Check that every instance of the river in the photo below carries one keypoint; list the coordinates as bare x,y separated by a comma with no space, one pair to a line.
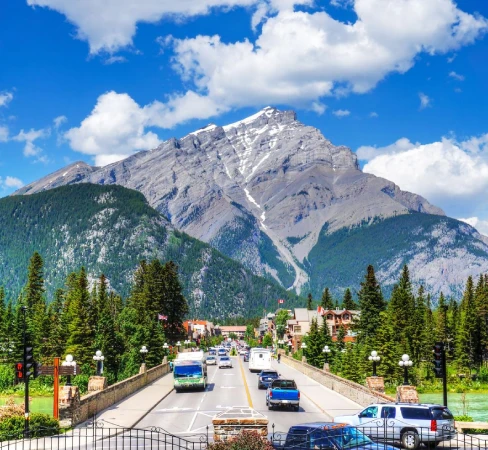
476,404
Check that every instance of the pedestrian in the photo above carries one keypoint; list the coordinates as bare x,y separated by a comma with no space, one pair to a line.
279,357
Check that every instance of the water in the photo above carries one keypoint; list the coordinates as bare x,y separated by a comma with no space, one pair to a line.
37,404
476,404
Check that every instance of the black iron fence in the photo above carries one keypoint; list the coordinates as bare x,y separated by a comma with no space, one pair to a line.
384,436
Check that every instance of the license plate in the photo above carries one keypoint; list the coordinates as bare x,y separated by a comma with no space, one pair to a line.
286,401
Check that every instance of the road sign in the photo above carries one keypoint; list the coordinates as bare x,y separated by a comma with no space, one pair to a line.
63,370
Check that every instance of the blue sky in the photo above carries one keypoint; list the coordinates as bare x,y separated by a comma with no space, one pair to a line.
404,83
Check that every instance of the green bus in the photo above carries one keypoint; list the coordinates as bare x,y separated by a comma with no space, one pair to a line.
189,374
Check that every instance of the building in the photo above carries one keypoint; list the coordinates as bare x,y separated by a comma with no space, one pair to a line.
340,317
238,330
198,329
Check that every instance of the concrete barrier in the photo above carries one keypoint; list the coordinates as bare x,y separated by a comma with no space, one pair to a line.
94,402
353,391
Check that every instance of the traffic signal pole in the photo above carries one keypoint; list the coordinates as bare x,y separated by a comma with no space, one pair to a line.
444,375
26,378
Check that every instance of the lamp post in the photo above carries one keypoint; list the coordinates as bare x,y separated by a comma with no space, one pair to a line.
187,342
405,363
326,351
99,358
69,361
304,348
178,345
290,345
165,348
143,352
374,358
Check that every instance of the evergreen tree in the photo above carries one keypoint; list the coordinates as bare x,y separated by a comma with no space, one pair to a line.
420,330
309,302
481,319
57,330
371,304
466,334
441,331
387,347
348,303
452,327
341,337
326,302
314,346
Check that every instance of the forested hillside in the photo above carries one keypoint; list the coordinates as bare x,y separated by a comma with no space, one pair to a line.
109,229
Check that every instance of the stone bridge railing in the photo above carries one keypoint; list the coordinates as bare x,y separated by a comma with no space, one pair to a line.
353,391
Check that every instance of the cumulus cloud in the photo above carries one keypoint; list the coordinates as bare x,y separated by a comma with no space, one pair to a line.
110,25
480,225
451,174
118,126
3,133
60,120
29,138
5,98
425,100
456,76
12,182
319,56
341,113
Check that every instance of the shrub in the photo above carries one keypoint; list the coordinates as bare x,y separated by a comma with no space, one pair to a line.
12,427
247,440
233,352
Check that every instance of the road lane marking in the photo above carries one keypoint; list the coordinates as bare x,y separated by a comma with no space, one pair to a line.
248,394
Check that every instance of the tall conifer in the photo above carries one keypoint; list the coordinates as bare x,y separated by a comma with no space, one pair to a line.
326,302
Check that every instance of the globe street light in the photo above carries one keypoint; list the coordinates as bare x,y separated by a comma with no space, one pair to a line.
326,351
178,345
405,363
304,348
375,358
70,362
165,348
143,352
99,358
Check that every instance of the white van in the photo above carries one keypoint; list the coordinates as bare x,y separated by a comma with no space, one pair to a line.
260,359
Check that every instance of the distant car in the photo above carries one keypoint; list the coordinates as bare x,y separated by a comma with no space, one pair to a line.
212,351
324,435
242,351
221,352
266,377
211,360
225,361
246,356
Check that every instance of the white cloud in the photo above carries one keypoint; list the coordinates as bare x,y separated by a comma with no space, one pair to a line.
319,56
109,25
3,133
13,182
118,126
5,98
425,100
480,225
450,59
60,120
456,76
373,115
451,174
114,60
341,113
29,137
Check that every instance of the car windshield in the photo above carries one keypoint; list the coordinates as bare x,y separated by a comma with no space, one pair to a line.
211,358
225,358
269,374
187,371
348,437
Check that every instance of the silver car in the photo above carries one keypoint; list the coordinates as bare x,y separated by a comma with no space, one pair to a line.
408,423
225,361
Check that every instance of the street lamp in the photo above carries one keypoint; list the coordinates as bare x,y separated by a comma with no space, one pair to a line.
186,343
304,348
165,348
143,351
281,342
99,358
69,362
178,345
405,363
326,351
375,358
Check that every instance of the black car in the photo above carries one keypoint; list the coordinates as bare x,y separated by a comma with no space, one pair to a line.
266,377
326,436
246,356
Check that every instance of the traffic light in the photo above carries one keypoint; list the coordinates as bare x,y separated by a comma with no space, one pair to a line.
19,373
438,351
36,369
28,361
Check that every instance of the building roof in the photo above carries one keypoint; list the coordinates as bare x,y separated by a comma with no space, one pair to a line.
233,328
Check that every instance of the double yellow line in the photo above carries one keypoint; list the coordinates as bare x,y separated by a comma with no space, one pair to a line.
246,387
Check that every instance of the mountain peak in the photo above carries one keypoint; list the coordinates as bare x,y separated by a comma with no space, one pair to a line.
266,114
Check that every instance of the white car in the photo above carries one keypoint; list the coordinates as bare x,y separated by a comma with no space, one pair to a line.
242,351
225,361
211,360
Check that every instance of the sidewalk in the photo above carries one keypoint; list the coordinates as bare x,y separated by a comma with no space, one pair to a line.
130,411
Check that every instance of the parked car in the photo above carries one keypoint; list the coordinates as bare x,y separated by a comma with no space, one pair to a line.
283,393
324,435
246,356
225,361
266,377
408,423
211,360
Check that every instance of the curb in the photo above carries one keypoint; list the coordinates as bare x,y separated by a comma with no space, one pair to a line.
152,407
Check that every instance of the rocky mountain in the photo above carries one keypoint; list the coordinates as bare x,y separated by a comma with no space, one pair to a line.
109,229
268,191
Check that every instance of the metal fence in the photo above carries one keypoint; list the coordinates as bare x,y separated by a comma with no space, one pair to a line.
384,436
100,437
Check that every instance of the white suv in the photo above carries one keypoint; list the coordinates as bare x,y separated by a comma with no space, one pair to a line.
408,423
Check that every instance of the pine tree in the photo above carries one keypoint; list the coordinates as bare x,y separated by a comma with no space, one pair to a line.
309,302
452,327
341,337
441,320
466,334
348,303
387,347
326,302
481,330
420,330
58,330
314,345
371,304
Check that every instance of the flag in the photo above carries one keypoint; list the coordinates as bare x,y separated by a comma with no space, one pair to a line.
161,317
320,310
280,301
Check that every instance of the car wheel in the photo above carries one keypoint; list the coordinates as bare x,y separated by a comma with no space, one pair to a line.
296,408
270,407
410,440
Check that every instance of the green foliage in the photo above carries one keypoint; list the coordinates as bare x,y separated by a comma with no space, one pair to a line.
282,316
267,340
347,302
309,302
327,302
40,425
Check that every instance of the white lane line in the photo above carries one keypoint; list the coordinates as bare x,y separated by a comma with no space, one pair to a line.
199,406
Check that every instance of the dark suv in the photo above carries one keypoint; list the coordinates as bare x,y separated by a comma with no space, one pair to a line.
266,377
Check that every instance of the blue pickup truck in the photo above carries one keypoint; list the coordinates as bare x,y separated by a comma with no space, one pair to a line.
283,393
